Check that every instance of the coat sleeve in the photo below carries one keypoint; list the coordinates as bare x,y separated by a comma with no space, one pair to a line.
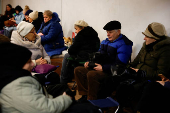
53,32
27,97
162,66
75,48
45,56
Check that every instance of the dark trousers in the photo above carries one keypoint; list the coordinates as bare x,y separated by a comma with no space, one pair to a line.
155,99
88,81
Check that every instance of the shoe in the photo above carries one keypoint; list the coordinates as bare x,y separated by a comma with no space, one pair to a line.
83,99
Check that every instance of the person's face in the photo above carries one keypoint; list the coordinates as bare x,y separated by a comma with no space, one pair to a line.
77,29
8,8
26,18
47,18
149,40
31,35
29,65
30,19
113,35
17,12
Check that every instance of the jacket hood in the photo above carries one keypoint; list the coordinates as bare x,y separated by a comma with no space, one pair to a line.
16,38
88,32
55,17
9,74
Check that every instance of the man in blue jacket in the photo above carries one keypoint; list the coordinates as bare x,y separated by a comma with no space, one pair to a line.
115,50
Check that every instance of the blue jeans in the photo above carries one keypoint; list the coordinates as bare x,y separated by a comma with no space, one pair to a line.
67,71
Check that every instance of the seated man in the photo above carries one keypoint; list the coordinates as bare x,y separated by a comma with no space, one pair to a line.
153,59
116,49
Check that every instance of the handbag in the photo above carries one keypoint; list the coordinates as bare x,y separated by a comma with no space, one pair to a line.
9,23
44,68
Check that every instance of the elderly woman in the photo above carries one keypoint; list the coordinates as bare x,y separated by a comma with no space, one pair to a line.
26,36
35,20
86,42
51,34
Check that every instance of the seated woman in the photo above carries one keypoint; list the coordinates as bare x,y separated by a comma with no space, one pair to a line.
51,34
26,36
86,42
35,20
17,19
8,14
26,15
20,92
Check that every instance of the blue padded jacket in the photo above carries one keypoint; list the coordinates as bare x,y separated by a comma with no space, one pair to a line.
119,52
52,40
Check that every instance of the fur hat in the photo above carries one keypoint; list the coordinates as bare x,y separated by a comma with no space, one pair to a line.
28,12
112,25
34,15
18,8
19,55
81,23
155,30
24,28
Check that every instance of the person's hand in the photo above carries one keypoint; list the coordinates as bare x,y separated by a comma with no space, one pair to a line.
98,67
38,61
43,61
163,77
40,34
13,21
161,82
134,69
86,64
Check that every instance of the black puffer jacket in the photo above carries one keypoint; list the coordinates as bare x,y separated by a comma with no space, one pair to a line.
86,41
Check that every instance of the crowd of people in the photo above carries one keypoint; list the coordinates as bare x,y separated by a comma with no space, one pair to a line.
31,38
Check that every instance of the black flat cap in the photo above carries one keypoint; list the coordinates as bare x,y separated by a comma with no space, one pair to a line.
112,25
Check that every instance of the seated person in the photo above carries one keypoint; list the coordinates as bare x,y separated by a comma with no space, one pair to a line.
26,15
153,59
17,19
26,36
51,34
116,49
20,92
155,97
35,20
8,14
86,42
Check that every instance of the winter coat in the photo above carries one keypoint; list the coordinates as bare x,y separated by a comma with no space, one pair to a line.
36,48
19,17
21,93
86,41
116,52
156,61
52,38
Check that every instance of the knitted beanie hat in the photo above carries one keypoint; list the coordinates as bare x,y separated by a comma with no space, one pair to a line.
155,30
34,15
24,28
28,12
13,55
112,25
81,23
